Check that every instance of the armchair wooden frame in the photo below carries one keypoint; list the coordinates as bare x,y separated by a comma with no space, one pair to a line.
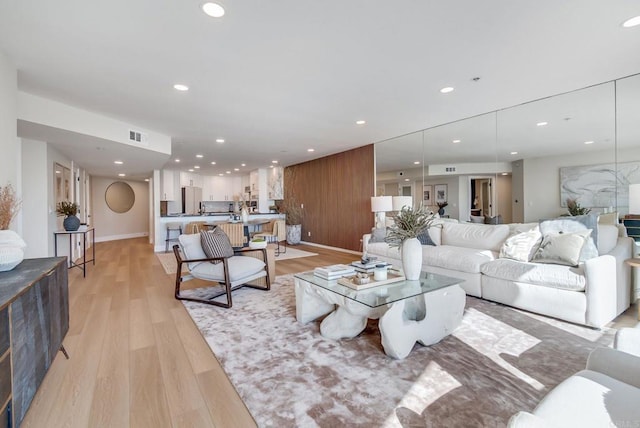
227,284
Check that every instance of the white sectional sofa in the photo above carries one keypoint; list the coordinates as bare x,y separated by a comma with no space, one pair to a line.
591,293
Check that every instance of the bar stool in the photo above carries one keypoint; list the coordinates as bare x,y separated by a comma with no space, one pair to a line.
172,227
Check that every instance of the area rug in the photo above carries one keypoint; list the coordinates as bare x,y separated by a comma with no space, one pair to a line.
499,361
168,260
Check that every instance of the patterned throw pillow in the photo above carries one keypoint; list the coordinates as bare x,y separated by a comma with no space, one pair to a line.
378,235
521,246
562,248
425,238
215,243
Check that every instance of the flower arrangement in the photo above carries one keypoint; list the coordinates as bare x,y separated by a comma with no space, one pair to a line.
9,206
66,208
407,224
291,208
441,205
574,208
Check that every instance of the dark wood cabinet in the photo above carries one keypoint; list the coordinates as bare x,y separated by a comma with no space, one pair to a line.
34,319
633,228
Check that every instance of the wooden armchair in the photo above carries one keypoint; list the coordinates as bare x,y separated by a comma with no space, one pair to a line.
231,273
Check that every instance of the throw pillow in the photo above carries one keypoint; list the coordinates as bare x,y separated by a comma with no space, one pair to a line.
571,224
521,246
562,248
378,234
609,218
215,243
425,238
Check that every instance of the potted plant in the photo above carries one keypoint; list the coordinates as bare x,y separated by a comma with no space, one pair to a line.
69,210
293,212
575,209
407,225
11,244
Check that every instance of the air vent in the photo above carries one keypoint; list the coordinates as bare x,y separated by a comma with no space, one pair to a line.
450,169
138,137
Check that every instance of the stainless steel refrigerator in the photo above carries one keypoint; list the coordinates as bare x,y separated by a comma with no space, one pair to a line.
191,197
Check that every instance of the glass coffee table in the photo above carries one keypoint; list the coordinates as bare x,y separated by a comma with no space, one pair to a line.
423,311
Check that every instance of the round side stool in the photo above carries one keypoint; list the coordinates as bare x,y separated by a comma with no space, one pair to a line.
172,227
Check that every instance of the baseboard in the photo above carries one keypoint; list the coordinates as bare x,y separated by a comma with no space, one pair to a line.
119,237
313,244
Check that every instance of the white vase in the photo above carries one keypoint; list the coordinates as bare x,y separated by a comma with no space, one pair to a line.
11,250
412,258
244,215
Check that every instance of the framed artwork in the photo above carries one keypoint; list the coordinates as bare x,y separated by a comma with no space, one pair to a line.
440,192
427,195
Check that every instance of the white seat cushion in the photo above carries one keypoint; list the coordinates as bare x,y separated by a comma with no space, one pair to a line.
591,399
456,258
240,267
549,275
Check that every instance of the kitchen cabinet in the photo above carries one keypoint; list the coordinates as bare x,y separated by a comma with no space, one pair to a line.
218,188
34,319
190,179
169,191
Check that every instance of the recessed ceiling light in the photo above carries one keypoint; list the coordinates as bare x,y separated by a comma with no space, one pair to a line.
505,173
274,161
236,169
197,167
213,9
446,90
541,124
360,122
213,163
121,175
199,156
228,172
146,179
270,166
220,140
631,22
514,153
588,142
191,170
221,174
180,87
311,150
406,179
455,141
177,160
118,162
416,163
244,164
57,172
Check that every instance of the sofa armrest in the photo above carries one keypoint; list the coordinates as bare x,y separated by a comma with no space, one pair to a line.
616,364
365,242
527,420
601,290
628,340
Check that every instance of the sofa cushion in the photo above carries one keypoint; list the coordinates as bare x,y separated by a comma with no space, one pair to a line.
521,246
383,249
562,248
607,238
549,275
456,258
192,248
571,224
378,234
515,228
239,267
216,243
470,235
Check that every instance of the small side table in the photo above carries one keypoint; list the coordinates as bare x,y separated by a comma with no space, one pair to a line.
635,262
83,232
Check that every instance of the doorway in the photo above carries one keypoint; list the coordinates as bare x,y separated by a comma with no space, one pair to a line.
481,196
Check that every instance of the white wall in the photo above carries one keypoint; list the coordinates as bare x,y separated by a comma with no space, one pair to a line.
111,225
542,179
35,194
9,143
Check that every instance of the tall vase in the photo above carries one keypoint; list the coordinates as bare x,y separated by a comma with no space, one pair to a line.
294,234
412,258
11,250
244,215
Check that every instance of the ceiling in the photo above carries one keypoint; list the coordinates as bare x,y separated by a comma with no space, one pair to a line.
275,79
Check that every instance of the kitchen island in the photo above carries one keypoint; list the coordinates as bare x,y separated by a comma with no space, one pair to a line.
184,219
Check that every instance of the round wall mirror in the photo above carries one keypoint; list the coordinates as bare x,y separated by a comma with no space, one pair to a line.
119,197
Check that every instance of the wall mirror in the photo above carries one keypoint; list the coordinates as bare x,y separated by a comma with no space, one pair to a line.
119,197
62,180
522,162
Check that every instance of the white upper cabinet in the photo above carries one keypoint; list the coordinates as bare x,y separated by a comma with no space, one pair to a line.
168,192
191,179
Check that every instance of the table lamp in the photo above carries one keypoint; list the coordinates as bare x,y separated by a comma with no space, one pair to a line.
400,202
380,205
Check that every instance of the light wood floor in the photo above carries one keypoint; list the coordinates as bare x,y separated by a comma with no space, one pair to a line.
137,359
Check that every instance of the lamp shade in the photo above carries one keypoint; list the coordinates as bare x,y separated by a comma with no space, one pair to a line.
402,201
381,203
634,198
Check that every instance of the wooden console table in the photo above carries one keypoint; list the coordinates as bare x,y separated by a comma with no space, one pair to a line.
34,319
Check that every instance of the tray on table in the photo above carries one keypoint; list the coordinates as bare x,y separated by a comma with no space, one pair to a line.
349,281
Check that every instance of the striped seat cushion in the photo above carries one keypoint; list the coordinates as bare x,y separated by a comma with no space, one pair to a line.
215,243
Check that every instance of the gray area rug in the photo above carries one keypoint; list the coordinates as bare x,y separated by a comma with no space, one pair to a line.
499,361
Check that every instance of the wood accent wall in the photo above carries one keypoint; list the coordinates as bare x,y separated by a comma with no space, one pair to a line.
336,194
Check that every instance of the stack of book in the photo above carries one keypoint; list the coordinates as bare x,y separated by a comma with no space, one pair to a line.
334,271
368,267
